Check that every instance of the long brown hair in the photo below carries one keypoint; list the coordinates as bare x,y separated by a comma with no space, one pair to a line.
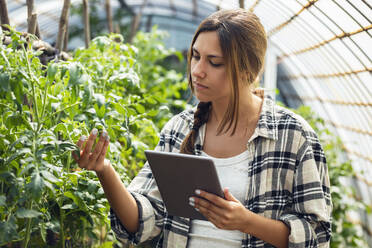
243,43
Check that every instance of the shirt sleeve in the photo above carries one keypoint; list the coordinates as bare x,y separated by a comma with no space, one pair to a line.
151,209
309,218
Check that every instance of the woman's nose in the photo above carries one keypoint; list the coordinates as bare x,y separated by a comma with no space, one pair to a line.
198,70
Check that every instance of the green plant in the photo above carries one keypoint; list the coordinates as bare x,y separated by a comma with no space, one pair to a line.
43,112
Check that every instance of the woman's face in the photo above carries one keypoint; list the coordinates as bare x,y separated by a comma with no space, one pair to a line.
208,71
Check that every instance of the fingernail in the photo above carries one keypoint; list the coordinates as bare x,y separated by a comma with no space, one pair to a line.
83,138
197,209
197,192
94,131
104,134
192,204
191,199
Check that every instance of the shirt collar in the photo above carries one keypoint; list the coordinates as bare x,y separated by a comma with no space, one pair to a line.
267,125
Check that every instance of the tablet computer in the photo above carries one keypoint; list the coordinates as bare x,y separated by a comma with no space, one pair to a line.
178,175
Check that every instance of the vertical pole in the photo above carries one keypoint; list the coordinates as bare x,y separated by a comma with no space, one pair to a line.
136,21
4,18
241,4
270,74
86,22
65,37
62,24
109,16
30,12
32,23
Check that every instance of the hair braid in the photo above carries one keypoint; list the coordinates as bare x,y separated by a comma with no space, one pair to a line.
201,116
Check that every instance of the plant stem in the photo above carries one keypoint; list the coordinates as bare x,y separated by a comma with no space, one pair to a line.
68,162
28,228
33,90
44,103
62,231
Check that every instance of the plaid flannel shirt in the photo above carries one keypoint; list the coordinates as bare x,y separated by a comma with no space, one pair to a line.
288,181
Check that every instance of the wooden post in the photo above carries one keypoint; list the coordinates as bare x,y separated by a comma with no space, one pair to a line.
32,22
30,12
86,22
109,16
62,24
241,4
136,21
4,18
65,37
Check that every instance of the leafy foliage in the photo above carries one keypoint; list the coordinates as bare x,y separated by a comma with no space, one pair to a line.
43,112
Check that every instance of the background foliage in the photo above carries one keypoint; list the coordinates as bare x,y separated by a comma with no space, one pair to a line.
126,89
44,110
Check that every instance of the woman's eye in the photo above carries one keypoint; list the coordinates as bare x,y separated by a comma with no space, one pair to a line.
215,64
197,57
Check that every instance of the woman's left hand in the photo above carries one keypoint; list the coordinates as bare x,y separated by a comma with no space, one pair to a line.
228,213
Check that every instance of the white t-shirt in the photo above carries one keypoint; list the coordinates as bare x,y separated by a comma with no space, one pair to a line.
233,174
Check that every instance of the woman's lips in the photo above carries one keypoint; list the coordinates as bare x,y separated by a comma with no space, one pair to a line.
199,86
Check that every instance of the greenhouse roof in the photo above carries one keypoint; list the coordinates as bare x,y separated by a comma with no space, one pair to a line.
319,55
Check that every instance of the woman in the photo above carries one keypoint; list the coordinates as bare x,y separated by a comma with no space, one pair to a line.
268,157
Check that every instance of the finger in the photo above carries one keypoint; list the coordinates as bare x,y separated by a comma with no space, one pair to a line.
98,148
102,155
207,206
213,214
229,196
218,201
79,144
88,146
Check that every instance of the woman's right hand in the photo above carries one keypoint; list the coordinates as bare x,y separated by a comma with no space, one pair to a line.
93,159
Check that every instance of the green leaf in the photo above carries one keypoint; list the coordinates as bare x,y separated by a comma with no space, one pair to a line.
27,213
49,176
140,109
14,120
4,82
8,230
77,200
108,244
36,186
100,99
69,206
18,153
101,111
52,71
2,200
152,112
68,146
43,231
75,74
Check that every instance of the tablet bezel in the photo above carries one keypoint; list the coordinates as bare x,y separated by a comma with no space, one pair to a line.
178,175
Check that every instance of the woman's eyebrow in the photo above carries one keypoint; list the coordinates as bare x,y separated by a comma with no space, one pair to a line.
209,56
